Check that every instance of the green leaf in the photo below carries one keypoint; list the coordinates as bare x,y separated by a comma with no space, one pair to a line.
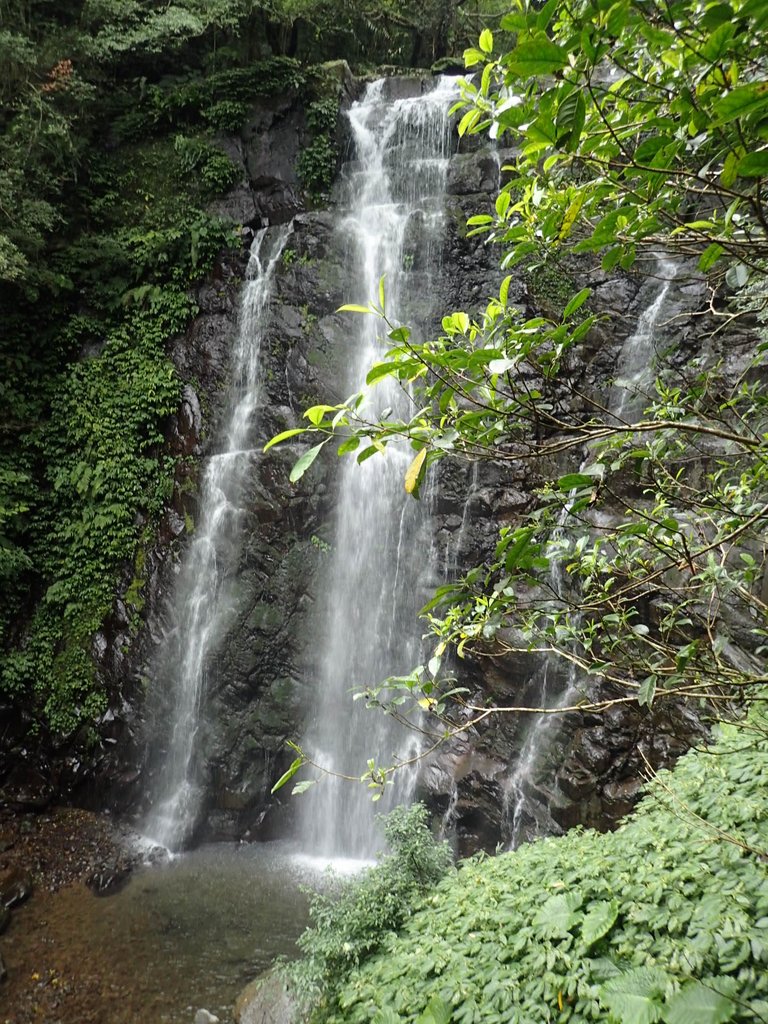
537,55
647,692
558,915
400,334
486,40
468,121
710,256
386,1015
366,453
576,302
436,1012
473,56
350,445
287,776
381,370
599,921
283,437
571,481
753,165
350,307
523,538
546,14
700,1003
570,217
316,413
305,462
741,101
634,997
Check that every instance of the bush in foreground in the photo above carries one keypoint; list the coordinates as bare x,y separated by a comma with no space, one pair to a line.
664,920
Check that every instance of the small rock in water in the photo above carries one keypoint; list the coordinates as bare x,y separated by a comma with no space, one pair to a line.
204,1017
109,877
15,886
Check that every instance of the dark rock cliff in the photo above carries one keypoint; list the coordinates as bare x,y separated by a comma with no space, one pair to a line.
261,677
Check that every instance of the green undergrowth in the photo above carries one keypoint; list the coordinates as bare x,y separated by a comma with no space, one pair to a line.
90,388
351,916
665,919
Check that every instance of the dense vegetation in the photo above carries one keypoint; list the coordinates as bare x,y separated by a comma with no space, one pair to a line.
351,916
664,920
110,113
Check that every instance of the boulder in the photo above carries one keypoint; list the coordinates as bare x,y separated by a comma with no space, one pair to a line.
265,1001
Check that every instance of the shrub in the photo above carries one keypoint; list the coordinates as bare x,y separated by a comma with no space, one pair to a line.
664,920
353,916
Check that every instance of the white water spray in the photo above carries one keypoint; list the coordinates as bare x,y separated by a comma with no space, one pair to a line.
382,552
202,607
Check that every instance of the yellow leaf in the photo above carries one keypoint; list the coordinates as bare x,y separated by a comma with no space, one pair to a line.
570,216
559,1000
414,471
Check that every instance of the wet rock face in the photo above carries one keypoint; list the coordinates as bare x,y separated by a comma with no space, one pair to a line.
262,674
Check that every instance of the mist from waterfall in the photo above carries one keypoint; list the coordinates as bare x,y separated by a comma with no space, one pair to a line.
382,556
201,605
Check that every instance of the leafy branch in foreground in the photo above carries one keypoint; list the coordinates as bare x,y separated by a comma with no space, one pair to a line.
639,133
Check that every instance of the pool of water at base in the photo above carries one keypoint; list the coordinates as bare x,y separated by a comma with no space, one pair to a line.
191,932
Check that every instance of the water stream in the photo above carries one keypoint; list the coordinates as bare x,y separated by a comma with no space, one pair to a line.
201,605
631,390
382,553
526,816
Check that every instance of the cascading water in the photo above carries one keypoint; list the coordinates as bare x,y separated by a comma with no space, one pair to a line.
382,553
201,603
526,818
630,392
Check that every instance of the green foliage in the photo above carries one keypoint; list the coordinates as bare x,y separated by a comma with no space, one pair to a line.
652,132
352,917
100,451
316,166
215,170
663,920
100,247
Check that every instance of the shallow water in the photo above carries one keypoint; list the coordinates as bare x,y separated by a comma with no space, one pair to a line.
181,935
201,926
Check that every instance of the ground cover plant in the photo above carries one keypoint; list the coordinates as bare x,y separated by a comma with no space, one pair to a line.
665,919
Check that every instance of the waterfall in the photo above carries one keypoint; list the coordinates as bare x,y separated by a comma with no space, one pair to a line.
630,391
202,604
382,552
629,394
